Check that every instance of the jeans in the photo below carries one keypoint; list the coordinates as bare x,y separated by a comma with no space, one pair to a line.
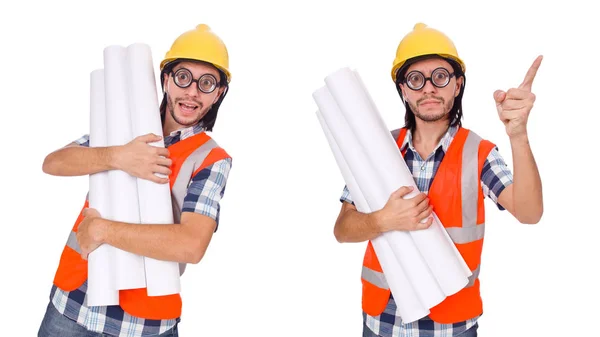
55,324
472,332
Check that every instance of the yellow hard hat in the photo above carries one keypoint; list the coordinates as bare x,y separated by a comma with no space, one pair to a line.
200,44
421,41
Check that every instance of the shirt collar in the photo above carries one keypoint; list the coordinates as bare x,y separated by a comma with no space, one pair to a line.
183,133
444,142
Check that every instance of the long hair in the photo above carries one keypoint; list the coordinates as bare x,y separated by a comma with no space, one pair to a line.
456,113
208,121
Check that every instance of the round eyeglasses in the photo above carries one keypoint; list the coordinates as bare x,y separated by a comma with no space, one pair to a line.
183,78
440,78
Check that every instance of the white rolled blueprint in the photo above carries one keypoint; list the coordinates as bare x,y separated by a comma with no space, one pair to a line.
130,272
414,296
422,267
410,306
101,289
162,277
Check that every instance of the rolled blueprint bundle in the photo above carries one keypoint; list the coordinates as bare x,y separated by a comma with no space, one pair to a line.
362,115
162,277
123,187
410,306
101,274
124,105
421,267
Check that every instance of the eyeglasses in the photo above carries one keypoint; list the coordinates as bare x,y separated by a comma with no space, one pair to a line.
183,78
440,78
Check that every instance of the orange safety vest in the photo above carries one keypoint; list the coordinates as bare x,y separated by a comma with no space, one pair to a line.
457,199
189,156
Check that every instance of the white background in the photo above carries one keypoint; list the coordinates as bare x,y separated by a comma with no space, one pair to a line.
274,268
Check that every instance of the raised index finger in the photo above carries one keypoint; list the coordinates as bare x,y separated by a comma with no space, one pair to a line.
528,81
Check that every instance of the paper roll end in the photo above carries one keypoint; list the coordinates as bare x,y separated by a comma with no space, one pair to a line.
319,93
113,48
97,72
140,47
340,72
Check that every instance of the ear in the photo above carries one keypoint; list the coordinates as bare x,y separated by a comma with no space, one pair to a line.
165,81
219,94
459,83
403,89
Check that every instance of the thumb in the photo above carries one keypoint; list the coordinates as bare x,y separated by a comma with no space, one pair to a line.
499,96
150,138
402,191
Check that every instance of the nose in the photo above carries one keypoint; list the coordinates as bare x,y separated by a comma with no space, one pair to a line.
429,88
192,90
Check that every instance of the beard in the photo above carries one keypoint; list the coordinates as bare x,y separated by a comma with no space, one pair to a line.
432,117
181,121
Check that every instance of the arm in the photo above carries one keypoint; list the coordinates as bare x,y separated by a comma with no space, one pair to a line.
499,185
184,242
137,158
398,214
354,226
76,159
523,199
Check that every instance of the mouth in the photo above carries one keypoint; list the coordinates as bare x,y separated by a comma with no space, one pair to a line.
188,108
430,102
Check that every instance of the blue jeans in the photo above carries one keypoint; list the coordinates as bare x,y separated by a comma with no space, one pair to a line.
472,332
55,324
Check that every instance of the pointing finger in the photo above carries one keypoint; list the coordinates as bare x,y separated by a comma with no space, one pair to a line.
528,81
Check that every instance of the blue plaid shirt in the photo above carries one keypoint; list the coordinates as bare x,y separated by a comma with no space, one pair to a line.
495,176
204,193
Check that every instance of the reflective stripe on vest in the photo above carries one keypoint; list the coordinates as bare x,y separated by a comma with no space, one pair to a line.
378,279
72,242
187,169
375,278
470,230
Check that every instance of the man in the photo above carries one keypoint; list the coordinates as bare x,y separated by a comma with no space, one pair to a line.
195,79
454,169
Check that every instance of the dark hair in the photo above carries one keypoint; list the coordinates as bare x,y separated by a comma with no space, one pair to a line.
208,121
456,113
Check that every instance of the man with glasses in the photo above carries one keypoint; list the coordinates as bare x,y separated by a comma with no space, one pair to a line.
454,170
195,78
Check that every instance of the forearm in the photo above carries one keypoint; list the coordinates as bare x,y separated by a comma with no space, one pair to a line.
527,188
169,242
79,160
354,226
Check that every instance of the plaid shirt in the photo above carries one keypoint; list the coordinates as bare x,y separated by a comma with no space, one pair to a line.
204,193
495,176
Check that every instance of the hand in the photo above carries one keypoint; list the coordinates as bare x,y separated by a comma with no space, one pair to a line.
89,235
405,214
142,160
514,106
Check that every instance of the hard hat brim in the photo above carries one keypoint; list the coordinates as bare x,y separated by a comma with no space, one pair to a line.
170,60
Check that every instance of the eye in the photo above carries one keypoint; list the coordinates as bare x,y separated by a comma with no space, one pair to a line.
207,83
440,76
183,77
415,79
